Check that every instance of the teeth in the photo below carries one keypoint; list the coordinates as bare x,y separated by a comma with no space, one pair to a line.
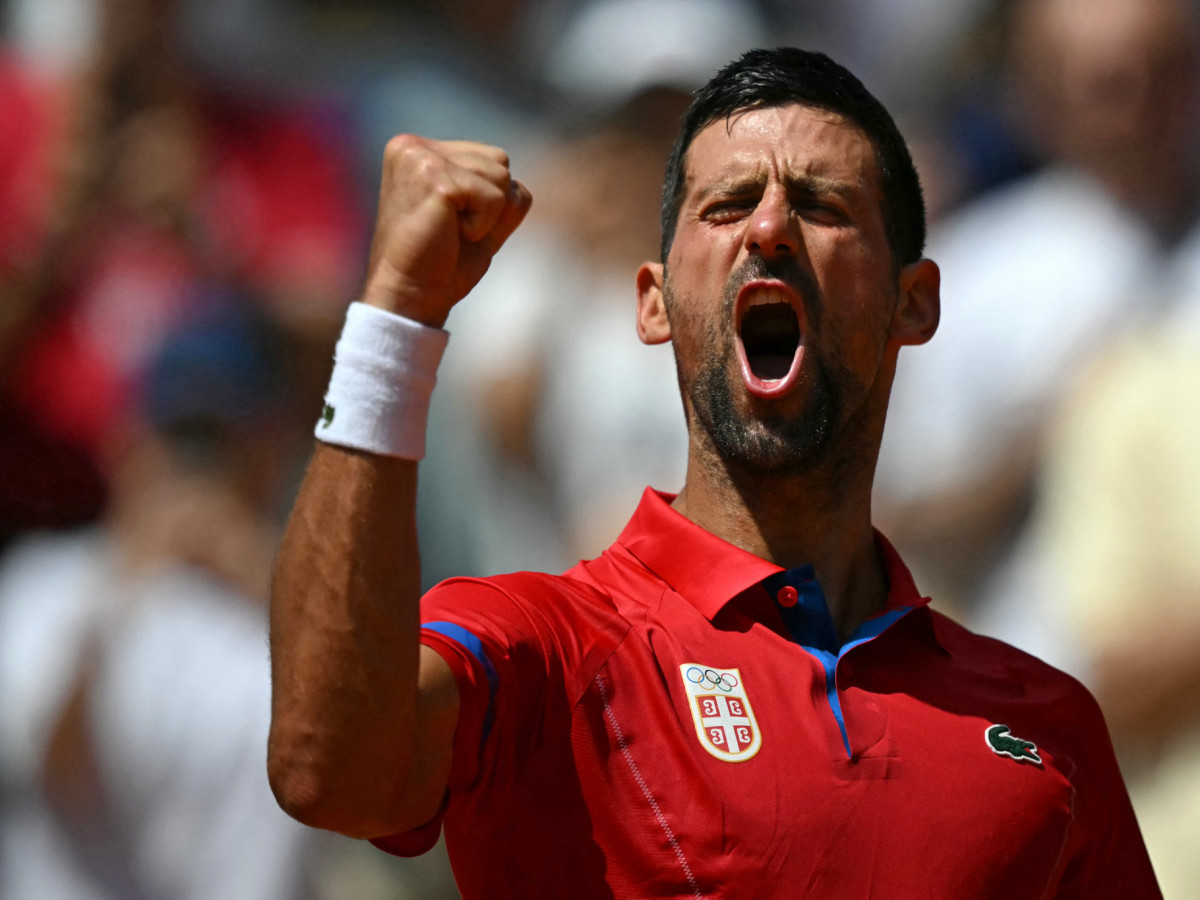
768,297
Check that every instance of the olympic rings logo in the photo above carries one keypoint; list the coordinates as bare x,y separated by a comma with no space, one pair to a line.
710,679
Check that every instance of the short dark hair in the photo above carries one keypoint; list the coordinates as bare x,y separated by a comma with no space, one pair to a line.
787,75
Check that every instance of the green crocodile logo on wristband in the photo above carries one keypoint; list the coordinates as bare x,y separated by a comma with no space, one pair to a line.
1005,743
327,416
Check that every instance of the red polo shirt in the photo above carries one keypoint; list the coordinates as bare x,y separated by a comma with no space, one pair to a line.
677,719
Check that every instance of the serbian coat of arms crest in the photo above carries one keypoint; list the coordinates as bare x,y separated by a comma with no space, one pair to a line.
721,710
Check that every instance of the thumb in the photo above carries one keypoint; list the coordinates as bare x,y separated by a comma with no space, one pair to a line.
519,201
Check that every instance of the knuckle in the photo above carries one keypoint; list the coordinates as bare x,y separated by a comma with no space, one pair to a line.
402,145
441,186
500,156
428,167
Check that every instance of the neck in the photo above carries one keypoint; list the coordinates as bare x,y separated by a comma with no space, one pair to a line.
821,517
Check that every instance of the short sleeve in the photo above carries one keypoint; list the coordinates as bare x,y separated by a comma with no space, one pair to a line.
1106,854
503,655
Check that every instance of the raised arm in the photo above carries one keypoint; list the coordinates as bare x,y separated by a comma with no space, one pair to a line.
363,717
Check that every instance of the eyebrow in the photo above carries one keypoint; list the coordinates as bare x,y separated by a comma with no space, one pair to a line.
812,185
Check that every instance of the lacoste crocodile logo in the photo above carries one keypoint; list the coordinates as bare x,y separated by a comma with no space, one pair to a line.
1005,743
327,416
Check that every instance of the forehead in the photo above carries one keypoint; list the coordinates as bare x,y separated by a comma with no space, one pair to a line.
793,140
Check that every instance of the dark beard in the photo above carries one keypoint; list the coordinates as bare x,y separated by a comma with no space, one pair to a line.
761,446
781,446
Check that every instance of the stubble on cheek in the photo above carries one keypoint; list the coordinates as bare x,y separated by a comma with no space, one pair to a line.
699,345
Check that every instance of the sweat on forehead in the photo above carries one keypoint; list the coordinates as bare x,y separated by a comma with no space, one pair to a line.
717,162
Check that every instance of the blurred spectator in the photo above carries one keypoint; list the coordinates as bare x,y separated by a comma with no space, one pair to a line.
139,185
1116,540
904,46
134,679
1037,276
455,69
49,481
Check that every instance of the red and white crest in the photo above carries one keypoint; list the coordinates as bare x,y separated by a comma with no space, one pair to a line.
721,710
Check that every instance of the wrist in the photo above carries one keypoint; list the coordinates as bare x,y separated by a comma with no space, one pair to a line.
392,293
385,367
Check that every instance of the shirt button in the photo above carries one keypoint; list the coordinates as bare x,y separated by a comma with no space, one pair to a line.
787,596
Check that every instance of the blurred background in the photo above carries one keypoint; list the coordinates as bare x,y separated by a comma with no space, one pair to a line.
186,194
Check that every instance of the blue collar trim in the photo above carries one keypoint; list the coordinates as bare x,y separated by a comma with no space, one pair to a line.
810,625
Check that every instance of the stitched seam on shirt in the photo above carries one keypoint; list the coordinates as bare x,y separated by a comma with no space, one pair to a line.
623,746
591,671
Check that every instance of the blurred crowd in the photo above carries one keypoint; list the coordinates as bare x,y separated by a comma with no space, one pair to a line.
186,193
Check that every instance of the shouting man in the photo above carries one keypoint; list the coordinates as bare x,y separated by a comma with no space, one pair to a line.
746,695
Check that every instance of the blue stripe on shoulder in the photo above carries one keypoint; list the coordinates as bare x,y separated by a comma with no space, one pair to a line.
474,646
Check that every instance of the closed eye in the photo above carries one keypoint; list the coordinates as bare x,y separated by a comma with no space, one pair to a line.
730,210
819,211
808,208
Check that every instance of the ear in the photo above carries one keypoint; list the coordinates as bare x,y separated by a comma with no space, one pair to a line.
652,324
919,308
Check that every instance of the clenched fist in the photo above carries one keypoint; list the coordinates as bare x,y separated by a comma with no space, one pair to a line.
445,207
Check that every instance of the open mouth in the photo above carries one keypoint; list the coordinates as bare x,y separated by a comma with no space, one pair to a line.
769,338
770,334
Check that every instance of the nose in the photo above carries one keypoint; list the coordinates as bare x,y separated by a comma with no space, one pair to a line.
772,229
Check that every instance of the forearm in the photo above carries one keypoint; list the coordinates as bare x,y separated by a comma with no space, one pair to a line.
344,643
363,719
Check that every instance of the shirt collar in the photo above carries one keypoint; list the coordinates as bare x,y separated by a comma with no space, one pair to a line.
708,572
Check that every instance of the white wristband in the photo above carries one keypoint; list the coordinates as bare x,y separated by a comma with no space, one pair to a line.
384,369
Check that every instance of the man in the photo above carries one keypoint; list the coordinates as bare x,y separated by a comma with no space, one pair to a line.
107,633
744,696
